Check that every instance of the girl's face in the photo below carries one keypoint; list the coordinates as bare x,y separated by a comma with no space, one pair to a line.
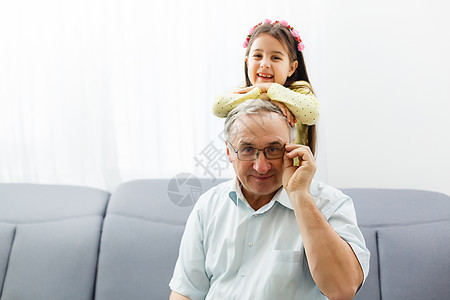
268,61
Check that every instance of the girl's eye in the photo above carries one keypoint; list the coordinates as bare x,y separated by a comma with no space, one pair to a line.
276,58
257,55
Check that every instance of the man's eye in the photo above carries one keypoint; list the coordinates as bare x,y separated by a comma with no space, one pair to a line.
274,149
247,150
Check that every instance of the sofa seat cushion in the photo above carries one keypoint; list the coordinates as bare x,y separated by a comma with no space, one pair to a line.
137,258
54,260
412,255
49,240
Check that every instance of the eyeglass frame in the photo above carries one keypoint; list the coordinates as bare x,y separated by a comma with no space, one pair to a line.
257,153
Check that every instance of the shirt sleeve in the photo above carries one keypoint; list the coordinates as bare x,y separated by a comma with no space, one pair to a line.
189,276
225,103
299,100
343,220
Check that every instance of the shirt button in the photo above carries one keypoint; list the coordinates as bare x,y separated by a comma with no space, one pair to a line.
243,274
250,244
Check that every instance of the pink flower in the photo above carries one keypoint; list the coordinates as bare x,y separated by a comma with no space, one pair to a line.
268,21
245,44
295,34
250,32
300,47
284,23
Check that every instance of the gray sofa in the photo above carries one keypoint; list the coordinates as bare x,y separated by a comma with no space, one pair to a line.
67,242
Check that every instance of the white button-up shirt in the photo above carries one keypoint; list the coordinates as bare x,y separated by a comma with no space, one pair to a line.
230,251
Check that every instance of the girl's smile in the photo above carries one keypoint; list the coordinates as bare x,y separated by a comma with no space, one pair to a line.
265,76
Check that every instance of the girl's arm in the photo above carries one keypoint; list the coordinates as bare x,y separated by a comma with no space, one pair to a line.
300,101
225,103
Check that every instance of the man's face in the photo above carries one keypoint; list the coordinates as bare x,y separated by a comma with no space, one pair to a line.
260,177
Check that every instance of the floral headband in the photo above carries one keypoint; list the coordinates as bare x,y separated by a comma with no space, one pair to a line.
294,33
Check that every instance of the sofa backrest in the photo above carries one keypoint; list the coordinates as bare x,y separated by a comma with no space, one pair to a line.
141,236
408,235
49,240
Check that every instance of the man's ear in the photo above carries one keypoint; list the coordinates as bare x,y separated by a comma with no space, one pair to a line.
228,152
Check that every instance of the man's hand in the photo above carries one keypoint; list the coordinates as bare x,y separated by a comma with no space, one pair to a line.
298,178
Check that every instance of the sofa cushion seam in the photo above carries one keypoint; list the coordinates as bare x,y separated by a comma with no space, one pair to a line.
8,261
50,220
381,226
181,223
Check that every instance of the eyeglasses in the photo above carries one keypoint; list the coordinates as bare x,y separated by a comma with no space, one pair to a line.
251,153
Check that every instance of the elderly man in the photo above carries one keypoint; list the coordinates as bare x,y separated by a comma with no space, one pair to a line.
272,232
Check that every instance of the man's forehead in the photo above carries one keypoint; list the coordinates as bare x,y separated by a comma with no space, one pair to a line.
258,121
260,129
260,118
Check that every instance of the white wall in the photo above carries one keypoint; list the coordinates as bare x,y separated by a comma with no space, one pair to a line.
89,90
384,87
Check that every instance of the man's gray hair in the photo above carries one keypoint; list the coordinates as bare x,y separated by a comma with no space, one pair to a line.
254,106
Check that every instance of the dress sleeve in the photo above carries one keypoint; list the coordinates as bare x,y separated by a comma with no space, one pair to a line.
299,100
189,276
225,103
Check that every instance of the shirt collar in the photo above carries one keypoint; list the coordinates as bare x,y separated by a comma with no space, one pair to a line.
236,194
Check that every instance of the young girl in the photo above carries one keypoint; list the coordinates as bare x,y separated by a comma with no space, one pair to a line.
275,71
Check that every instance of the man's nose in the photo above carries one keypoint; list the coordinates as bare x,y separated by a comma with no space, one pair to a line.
262,164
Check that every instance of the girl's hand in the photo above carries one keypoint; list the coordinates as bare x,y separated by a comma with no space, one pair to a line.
245,90
286,112
263,87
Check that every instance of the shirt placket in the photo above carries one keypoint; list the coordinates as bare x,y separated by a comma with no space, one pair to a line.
249,248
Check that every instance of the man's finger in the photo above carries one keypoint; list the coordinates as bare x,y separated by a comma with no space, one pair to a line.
302,152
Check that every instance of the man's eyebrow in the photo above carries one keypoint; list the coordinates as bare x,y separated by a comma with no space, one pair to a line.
274,143
244,143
